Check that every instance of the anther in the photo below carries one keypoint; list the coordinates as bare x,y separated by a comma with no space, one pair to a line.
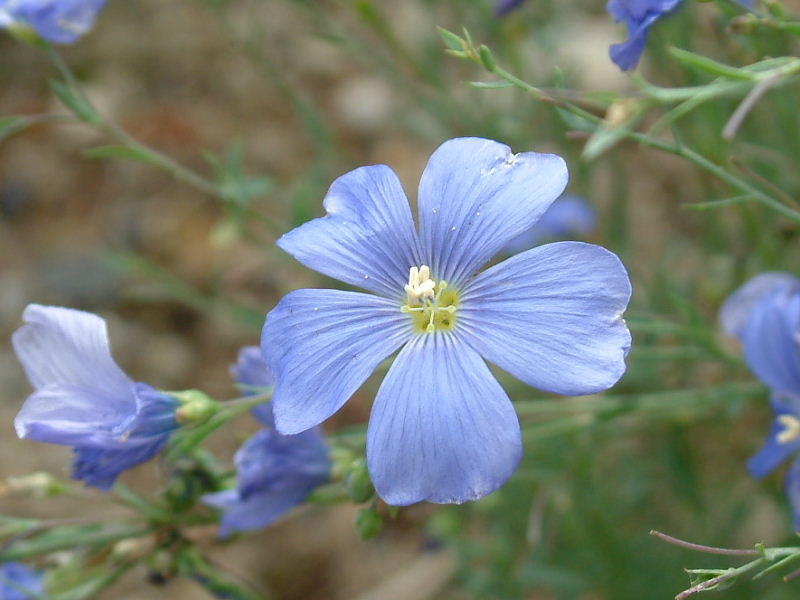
791,429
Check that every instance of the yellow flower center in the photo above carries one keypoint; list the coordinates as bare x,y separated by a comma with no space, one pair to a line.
432,305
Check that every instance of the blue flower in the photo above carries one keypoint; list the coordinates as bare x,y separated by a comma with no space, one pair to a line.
57,21
567,216
639,16
765,315
20,582
442,429
251,373
83,399
275,472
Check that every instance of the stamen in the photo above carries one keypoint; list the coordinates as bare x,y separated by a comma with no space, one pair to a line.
420,286
432,307
791,429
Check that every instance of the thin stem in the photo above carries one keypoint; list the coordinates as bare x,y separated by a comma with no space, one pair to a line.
701,548
166,163
715,581
676,149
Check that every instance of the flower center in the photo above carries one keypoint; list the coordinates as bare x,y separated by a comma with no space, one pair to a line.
432,305
791,429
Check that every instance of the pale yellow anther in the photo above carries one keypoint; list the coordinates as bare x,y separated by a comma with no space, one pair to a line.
791,429
420,285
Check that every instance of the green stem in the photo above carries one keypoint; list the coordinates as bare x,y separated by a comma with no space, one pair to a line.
24,549
676,149
164,162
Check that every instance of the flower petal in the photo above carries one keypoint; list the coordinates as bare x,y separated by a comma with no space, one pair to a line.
770,341
737,309
367,238
773,453
552,316
60,21
639,16
70,415
255,512
271,461
252,374
99,466
475,196
64,346
442,429
322,345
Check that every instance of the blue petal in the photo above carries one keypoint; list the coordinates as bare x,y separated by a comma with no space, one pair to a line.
442,429
251,373
568,216
99,466
59,21
552,316
322,345
269,461
793,491
367,238
639,16
71,415
773,453
137,440
250,369
736,310
70,347
475,196
770,341
255,512
20,582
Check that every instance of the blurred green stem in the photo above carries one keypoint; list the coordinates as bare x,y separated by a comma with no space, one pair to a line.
112,130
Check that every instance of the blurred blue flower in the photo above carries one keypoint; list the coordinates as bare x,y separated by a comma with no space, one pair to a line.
252,374
566,217
503,7
442,429
20,582
83,399
639,16
765,315
57,21
275,472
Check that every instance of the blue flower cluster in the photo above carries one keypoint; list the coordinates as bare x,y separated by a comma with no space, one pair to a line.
275,472
442,429
57,21
765,315
83,399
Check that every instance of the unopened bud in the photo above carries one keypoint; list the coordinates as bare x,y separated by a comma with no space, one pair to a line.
195,407
358,483
368,523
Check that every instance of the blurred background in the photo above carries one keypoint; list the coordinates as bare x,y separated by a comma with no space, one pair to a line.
280,97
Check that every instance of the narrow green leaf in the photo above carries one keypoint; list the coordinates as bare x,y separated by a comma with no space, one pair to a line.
75,102
491,85
12,125
708,65
126,152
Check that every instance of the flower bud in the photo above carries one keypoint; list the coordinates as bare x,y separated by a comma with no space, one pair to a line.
196,407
